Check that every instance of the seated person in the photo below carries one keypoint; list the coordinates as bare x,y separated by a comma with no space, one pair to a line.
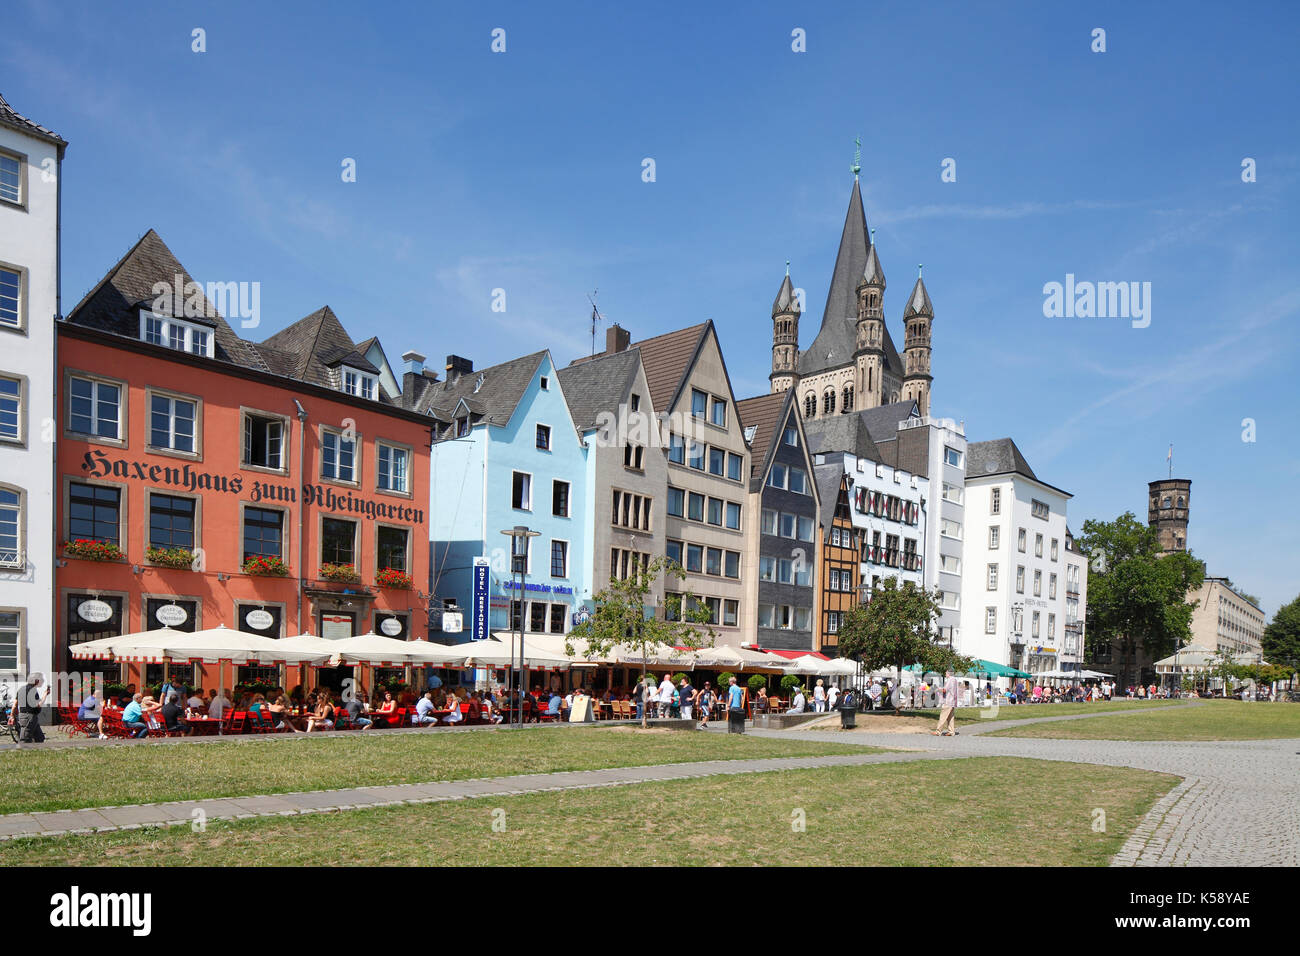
172,714
218,704
555,706
281,715
129,694
196,701
322,717
454,714
424,710
92,710
760,702
259,711
799,704
133,717
356,711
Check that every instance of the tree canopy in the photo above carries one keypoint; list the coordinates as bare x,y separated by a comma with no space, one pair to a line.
896,629
1137,597
621,617
1281,640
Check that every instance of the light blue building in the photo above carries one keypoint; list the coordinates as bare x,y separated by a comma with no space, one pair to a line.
505,453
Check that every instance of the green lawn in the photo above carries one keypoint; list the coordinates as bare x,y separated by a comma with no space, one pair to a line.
128,773
1210,720
975,812
1025,711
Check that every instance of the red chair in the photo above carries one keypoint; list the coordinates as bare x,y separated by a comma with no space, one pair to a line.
234,722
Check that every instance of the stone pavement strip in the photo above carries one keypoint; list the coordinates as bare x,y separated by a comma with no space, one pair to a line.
1238,803
183,812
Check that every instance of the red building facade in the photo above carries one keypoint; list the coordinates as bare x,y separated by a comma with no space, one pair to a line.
231,484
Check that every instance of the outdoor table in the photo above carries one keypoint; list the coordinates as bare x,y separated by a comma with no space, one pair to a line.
204,726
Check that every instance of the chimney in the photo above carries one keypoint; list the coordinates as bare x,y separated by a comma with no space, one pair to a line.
457,366
617,339
414,361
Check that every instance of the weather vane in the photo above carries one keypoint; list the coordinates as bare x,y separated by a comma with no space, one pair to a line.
857,156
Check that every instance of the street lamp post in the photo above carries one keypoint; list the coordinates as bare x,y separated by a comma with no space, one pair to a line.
518,565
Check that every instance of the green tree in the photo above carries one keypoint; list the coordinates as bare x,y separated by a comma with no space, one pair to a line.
1281,640
1137,597
621,618
897,629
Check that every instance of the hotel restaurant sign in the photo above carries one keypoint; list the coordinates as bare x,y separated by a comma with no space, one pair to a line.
184,478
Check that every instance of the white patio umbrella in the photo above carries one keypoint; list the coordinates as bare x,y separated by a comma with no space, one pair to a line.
807,664
495,653
381,650
142,646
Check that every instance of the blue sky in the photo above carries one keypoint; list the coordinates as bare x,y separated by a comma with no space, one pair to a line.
522,171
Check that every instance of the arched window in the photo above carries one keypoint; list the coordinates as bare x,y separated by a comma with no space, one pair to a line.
848,399
1180,501
810,406
1166,504
828,402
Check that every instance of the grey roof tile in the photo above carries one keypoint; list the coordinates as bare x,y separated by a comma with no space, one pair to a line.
14,120
492,393
599,384
786,300
842,433
918,303
997,457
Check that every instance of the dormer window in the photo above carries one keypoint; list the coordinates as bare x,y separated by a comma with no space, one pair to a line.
359,383
176,334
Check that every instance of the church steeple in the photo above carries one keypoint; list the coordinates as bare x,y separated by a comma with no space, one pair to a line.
917,319
785,335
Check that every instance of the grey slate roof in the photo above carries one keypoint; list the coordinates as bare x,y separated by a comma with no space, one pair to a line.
828,478
843,433
786,300
836,340
113,305
14,120
764,414
494,401
882,421
918,303
307,351
997,457
597,385
872,273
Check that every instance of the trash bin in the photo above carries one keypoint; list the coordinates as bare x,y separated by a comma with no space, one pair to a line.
735,721
848,712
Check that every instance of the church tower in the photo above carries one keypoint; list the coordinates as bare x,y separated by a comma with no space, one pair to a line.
785,336
917,318
869,354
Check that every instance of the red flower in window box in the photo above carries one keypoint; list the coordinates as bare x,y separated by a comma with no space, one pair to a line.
267,567
340,573
392,578
92,550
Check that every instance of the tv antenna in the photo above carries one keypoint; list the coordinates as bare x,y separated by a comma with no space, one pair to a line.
595,317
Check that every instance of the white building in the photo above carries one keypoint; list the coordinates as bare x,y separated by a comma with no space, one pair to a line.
887,502
1013,603
945,519
31,159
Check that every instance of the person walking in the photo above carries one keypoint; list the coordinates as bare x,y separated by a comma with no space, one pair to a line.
819,698
27,710
736,707
666,696
704,700
948,707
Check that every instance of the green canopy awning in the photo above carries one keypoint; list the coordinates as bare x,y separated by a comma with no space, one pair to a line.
982,668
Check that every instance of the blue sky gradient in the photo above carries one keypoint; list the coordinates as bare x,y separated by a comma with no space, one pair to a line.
522,171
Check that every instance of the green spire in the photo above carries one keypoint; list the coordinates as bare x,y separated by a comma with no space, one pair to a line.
857,157
787,266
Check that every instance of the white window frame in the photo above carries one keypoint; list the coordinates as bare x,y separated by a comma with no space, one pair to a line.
172,398
405,450
244,461
20,307
527,498
354,381
20,414
170,326
550,553
994,535
21,161
18,559
123,393
990,620
992,576
337,435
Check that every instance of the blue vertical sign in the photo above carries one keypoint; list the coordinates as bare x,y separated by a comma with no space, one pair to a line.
482,574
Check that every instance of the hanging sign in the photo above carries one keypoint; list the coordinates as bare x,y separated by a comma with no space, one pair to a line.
259,620
453,622
95,611
391,626
171,615
480,607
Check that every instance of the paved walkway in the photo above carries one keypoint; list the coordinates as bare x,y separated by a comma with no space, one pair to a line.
1238,803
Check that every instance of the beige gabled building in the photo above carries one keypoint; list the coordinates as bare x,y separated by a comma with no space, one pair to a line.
708,472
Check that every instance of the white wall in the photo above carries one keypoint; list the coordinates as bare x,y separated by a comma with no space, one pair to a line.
29,243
